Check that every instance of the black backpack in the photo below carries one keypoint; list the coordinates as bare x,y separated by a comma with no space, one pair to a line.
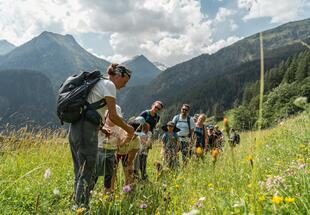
72,98
237,138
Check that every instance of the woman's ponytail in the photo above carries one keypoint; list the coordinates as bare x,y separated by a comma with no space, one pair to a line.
111,69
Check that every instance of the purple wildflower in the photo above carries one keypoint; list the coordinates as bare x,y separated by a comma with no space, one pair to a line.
143,206
126,189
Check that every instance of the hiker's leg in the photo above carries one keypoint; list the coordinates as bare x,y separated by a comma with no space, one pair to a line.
74,141
116,161
131,156
87,156
174,162
143,159
190,150
137,165
109,167
125,168
185,151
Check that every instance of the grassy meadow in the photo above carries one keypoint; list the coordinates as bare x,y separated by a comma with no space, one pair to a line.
268,173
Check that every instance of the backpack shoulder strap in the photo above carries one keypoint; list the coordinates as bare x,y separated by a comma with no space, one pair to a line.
97,105
177,118
188,122
102,102
148,114
203,132
189,125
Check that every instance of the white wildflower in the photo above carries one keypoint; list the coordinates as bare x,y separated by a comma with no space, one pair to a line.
47,173
202,199
56,191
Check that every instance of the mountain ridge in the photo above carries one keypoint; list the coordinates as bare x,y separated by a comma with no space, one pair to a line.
6,47
57,56
143,70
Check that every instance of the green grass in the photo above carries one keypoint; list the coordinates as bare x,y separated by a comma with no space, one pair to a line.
280,168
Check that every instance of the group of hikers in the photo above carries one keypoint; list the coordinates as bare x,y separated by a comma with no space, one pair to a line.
101,138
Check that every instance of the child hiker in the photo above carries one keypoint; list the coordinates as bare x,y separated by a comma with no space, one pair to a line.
145,145
107,146
171,143
127,152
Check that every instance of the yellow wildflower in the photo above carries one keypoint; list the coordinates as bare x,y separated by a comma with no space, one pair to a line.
199,150
249,157
177,186
157,212
210,185
289,200
80,211
215,153
277,199
225,121
105,197
261,198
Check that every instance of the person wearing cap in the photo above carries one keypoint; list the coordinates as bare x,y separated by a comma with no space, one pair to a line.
145,145
211,138
138,124
126,152
186,125
234,137
83,134
151,117
170,142
107,146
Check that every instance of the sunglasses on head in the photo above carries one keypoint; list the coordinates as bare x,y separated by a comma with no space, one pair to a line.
158,108
123,71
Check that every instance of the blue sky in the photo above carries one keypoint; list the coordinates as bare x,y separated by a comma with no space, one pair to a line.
168,31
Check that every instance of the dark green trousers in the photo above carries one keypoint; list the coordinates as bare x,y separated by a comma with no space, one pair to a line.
83,139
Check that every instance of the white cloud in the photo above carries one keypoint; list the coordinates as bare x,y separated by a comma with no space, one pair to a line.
214,47
223,13
278,10
117,58
233,25
168,31
21,20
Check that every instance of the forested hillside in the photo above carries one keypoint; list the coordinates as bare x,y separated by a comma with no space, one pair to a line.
26,99
284,83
